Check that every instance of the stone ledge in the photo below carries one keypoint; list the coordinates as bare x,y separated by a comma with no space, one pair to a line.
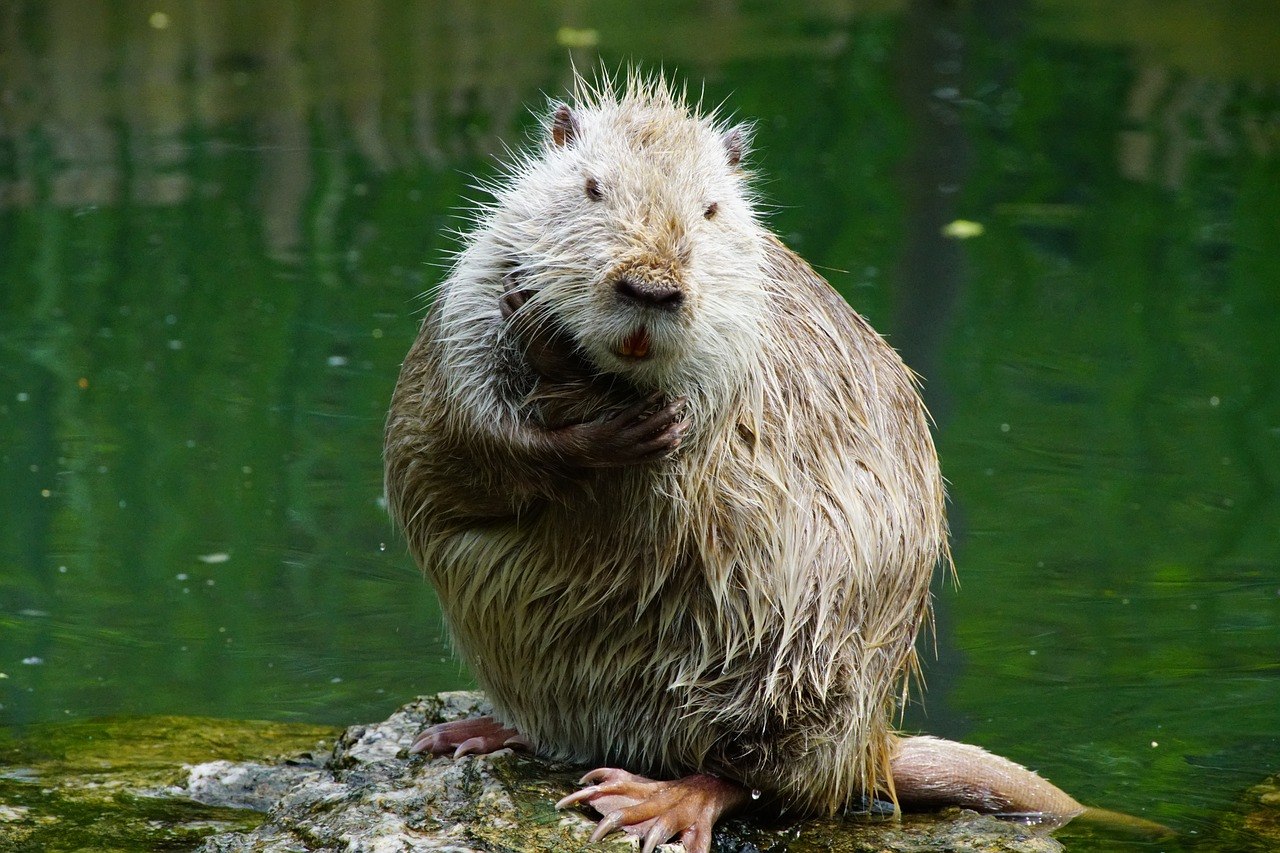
370,798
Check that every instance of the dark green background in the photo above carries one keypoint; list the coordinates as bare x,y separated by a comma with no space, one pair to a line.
216,224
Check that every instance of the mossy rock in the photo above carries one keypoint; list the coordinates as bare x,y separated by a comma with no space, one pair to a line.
119,784
167,783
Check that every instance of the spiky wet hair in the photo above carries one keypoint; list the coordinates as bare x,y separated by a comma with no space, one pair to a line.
635,92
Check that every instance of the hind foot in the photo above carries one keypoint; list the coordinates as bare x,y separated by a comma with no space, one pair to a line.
474,735
657,811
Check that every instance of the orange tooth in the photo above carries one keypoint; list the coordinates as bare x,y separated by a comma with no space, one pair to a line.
636,344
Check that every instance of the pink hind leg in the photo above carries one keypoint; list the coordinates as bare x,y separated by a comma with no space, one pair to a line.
657,811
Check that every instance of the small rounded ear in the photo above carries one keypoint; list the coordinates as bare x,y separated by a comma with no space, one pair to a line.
564,126
737,141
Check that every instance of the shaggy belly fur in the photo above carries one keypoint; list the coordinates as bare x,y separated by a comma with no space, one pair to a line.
653,646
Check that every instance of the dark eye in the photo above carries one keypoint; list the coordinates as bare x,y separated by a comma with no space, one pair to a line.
711,210
593,190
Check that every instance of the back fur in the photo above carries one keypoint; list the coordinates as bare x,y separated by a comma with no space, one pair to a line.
747,607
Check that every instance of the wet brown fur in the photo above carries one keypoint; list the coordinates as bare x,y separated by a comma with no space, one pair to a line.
746,607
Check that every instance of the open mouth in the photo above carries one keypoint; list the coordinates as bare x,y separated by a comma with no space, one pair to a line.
635,345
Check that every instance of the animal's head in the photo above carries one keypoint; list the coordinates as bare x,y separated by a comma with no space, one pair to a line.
635,226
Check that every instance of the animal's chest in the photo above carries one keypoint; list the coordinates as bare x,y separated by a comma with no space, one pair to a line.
577,589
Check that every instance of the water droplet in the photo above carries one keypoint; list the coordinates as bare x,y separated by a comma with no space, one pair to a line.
755,795
382,546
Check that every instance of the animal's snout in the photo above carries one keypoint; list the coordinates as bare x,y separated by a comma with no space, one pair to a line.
653,294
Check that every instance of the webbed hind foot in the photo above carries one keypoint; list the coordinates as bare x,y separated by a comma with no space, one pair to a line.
657,811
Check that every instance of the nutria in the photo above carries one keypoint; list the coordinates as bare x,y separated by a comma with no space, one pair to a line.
679,501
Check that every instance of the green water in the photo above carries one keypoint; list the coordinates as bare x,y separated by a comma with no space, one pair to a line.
217,221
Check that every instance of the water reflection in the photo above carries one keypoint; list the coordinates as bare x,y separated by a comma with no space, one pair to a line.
216,221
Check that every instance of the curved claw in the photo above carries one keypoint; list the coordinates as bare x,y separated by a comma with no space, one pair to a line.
424,742
519,741
659,832
601,774
471,745
577,797
607,824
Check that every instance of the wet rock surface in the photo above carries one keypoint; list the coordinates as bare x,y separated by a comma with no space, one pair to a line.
371,797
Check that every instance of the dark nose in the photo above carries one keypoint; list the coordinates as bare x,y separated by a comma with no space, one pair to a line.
669,297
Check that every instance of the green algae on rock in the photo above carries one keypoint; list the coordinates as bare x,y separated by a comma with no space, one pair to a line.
1259,825
120,784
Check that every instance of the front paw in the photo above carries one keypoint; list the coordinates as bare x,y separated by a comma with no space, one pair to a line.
645,432
550,351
